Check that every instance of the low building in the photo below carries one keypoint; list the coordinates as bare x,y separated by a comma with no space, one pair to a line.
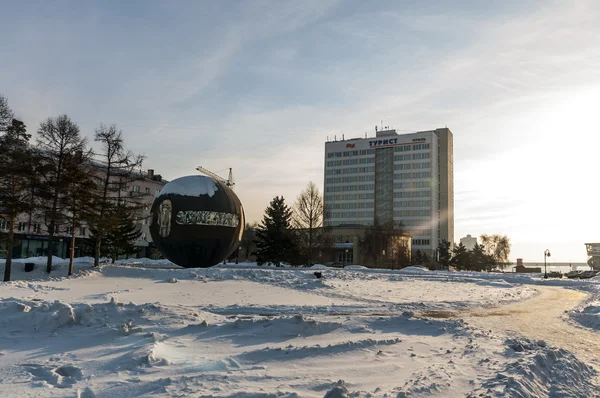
525,270
368,246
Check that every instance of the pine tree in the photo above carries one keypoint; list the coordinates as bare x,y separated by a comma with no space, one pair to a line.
418,257
479,260
444,254
275,241
460,257
121,239
16,176
78,196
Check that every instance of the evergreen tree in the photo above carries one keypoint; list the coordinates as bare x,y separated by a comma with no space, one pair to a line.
418,257
16,176
120,240
444,254
78,196
274,236
460,257
479,259
58,139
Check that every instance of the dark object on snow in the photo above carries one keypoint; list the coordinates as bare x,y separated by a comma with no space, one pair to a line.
29,267
197,221
319,275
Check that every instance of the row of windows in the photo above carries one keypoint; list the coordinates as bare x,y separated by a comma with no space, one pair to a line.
412,184
362,152
412,194
351,214
37,228
421,155
419,232
332,223
350,196
350,188
420,242
339,180
409,166
350,205
409,147
399,148
412,203
351,170
414,156
412,213
350,162
420,224
408,176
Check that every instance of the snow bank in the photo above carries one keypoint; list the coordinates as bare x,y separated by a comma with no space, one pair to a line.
536,371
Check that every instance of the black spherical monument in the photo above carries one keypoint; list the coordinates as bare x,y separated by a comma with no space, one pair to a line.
197,221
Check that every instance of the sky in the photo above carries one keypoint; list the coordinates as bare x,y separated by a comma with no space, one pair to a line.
259,85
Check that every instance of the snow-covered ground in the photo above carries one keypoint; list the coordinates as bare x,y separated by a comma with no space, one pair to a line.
148,328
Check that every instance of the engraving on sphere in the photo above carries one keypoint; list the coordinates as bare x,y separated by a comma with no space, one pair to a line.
197,221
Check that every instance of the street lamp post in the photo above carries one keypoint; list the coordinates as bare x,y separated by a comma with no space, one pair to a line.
546,254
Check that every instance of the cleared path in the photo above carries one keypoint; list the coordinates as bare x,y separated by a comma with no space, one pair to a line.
539,318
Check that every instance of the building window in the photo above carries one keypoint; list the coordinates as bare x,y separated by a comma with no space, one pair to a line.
147,190
37,228
136,188
4,225
420,242
82,231
22,227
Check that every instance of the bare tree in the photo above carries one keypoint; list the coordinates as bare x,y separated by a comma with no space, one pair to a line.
309,217
385,244
57,139
497,247
16,175
119,168
6,114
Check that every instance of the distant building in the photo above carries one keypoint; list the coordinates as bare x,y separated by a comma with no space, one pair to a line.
469,242
32,234
399,179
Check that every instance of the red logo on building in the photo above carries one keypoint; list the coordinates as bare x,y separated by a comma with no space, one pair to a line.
350,145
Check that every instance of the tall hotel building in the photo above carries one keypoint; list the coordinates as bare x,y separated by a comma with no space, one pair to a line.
400,178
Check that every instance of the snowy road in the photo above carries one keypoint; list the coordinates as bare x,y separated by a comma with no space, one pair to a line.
539,318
